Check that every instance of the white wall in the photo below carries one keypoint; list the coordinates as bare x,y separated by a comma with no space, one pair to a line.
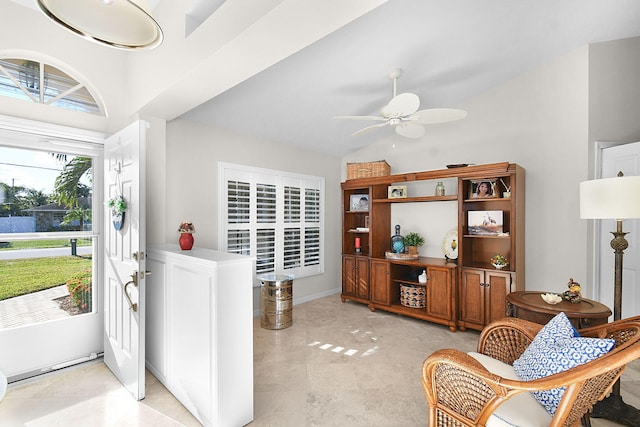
538,120
27,33
193,151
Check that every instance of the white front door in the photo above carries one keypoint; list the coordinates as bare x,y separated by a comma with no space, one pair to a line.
625,158
124,285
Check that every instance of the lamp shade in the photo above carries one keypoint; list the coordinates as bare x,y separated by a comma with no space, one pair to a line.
610,198
124,24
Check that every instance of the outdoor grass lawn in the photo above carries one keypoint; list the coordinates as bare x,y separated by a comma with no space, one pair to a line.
23,276
39,244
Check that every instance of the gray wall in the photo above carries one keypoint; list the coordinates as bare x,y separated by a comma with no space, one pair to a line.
192,153
547,121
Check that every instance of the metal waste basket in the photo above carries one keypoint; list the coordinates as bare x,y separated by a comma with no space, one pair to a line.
276,303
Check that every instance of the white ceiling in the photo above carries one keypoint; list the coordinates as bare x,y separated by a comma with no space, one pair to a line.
450,51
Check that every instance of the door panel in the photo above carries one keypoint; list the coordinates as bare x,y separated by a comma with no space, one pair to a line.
380,282
439,296
472,296
362,267
498,286
349,275
124,259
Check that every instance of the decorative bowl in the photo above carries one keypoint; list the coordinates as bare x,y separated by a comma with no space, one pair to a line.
551,298
499,266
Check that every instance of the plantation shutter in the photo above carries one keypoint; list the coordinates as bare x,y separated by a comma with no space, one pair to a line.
274,216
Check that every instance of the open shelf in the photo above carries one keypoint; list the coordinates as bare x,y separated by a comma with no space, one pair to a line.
418,199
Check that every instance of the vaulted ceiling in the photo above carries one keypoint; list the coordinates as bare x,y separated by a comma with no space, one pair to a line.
450,51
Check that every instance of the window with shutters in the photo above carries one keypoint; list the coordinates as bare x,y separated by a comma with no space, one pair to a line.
275,216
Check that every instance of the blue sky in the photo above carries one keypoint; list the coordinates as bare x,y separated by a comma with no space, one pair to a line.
27,168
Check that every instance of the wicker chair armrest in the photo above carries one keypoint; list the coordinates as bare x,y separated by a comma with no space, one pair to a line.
621,331
458,386
506,339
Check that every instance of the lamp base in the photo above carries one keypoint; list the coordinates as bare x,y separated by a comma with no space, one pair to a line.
613,408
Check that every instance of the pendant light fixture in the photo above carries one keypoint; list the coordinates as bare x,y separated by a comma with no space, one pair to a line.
123,24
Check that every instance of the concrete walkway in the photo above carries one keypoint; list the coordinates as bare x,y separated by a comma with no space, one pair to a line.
35,307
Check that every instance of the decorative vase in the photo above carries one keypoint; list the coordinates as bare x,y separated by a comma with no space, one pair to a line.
440,189
117,219
499,266
397,242
186,241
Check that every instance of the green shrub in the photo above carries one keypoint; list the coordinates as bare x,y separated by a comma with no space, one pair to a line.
79,287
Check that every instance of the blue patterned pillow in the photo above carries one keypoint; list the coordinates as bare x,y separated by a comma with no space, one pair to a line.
556,348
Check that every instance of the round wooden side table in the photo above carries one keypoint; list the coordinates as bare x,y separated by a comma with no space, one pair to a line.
529,305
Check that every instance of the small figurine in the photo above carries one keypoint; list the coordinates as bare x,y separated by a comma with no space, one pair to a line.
573,295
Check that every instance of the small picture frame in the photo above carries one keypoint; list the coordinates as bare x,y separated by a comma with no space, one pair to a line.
483,189
397,192
366,221
359,202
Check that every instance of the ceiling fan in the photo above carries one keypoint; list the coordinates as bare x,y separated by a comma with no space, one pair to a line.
402,113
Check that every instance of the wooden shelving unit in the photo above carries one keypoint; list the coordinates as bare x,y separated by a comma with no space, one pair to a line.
469,293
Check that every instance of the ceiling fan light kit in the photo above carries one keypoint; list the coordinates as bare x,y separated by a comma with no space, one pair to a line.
402,113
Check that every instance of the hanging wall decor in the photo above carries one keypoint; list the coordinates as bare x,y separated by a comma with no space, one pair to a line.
118,207
117,204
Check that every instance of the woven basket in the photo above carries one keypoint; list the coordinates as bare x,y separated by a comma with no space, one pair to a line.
413,296
368,169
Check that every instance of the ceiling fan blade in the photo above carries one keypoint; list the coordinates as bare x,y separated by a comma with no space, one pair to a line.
404,104
438,115
377,118
369,128
410,130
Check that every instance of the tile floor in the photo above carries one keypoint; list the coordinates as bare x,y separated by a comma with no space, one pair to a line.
338,365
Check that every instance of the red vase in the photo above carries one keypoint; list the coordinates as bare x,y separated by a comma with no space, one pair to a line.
186,241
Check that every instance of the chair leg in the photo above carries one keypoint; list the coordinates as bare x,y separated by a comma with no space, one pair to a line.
586,420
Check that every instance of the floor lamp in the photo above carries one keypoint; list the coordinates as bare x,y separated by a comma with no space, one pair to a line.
613,198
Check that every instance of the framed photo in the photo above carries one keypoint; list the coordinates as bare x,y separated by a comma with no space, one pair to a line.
485,222
359,202
483,189
397,191
366,221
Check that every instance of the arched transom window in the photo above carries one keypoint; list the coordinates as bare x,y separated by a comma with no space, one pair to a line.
43,83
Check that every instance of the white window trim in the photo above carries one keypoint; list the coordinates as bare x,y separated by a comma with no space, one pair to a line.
233,171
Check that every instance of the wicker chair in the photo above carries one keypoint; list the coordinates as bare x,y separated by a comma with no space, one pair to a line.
460,391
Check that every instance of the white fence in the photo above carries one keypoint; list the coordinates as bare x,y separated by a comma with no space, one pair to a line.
17,224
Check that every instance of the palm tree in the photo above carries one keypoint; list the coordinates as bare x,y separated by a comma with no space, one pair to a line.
77,214
67,186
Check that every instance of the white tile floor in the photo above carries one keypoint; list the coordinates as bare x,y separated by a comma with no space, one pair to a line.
338,365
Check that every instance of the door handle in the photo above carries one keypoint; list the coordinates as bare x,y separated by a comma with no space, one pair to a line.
134,281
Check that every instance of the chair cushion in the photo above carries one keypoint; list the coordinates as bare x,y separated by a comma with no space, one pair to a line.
556,348
522,410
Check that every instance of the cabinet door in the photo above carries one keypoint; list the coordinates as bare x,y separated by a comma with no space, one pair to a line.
498,285
349,275
439,293
380,282
362,278
472,290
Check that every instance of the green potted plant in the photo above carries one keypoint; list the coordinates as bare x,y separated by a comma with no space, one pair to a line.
412,241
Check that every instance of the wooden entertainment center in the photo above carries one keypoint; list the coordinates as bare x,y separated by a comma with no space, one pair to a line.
467,292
